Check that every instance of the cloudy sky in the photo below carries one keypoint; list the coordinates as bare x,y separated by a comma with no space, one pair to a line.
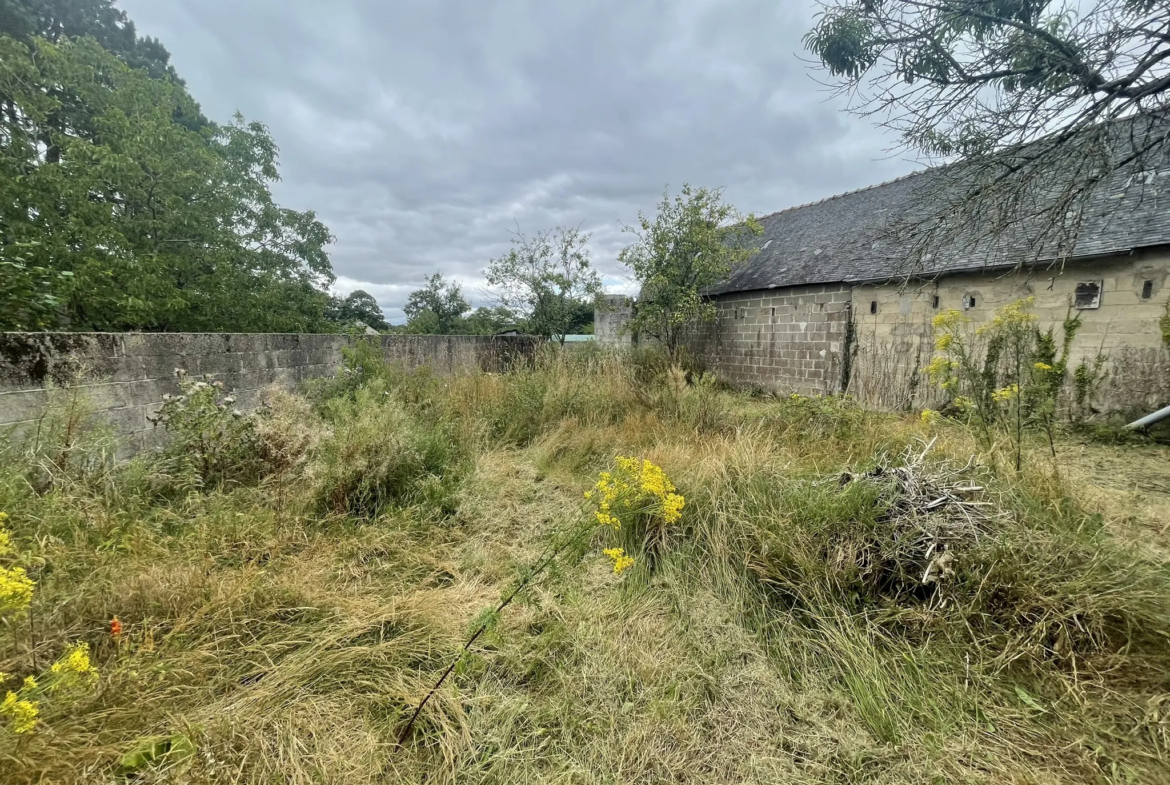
422,132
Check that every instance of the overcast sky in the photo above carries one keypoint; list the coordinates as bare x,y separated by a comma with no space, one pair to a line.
422,132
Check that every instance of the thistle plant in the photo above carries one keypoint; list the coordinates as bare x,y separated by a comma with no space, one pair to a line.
636,496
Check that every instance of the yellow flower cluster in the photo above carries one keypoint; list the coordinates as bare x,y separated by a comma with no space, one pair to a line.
1013,315
942,372
964,404
1044,367
71,671
16,588
949,320
1005,394
637,486
21,712
930,416
619,558
74,668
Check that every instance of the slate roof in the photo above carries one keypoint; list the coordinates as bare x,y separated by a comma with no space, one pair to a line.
848,238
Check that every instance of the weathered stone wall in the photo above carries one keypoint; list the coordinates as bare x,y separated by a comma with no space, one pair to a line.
894,335
788,340
125,375
609,320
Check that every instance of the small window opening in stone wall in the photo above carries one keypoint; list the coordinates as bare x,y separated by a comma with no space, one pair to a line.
873,306
1088,295
968,302
1147,290
934,301
773,313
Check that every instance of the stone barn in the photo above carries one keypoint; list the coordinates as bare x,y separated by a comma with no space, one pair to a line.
826,304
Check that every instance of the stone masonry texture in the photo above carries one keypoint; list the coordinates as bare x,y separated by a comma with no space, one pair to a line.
125,375
873,340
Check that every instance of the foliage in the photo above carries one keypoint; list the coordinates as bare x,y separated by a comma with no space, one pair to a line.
358,306
1008,375
547,280
122,217
692,243
379,454
57,20
1041,101
72,674
837,603
437,308
212,442
16,588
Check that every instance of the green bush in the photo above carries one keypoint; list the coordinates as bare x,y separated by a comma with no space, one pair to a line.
380,454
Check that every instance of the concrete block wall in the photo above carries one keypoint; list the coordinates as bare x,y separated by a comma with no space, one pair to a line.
124,375
610,319
787,340
894,335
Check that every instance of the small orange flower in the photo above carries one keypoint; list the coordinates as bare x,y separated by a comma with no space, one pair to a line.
115,627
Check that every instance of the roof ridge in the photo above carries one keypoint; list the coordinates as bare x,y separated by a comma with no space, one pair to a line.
863,188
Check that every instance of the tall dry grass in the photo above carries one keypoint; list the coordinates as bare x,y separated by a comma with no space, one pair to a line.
287,626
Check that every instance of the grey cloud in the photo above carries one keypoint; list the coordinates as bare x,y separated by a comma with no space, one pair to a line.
423,132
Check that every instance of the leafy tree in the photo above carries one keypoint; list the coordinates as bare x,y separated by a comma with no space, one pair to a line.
57,20
1041,101
128,219
690,245
487,320
437,308
547,280
359,306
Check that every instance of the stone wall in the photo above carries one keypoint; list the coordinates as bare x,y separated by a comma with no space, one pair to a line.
609,320
125,375
894,335
787,340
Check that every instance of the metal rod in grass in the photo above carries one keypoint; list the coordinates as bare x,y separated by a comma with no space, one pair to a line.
525,581
635,481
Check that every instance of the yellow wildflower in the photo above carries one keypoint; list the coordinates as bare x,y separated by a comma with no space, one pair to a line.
672,505
1013,315
620,560
944,341
941,370
964,404
1045,367
16,590
21,713
949,319
30,684
1006,393
930,416
73,668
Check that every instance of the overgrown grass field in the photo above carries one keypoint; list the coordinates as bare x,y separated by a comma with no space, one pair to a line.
847,597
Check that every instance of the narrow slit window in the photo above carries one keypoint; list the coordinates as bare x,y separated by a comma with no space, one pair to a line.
1088,296
934,302
873,306
1147,290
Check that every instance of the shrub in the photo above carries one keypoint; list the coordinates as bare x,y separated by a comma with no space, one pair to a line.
379,453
